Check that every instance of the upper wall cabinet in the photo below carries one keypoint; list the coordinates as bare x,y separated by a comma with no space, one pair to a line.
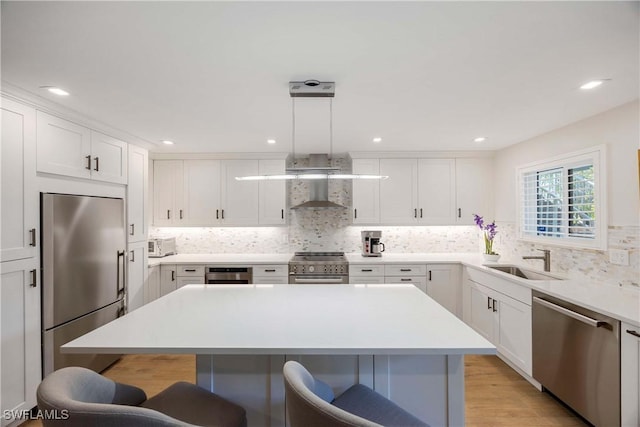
366,192
137,189
19,196
206,193
427,191
65,148
474,189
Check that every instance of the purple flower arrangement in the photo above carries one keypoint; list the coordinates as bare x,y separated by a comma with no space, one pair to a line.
489,231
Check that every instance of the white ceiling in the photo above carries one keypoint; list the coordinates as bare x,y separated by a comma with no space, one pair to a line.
213,76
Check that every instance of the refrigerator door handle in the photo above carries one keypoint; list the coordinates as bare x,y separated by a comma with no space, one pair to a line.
121,288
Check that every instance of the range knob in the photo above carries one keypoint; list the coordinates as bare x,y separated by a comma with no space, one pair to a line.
311,269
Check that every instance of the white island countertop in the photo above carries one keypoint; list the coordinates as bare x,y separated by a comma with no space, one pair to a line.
266,319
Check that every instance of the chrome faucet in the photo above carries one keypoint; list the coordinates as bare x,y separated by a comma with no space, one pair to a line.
546,258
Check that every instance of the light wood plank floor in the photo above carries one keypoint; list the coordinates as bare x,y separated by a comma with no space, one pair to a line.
495,394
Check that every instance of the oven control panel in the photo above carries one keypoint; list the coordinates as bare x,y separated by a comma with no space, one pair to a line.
318,269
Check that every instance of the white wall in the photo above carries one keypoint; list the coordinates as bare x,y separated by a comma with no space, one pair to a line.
618,129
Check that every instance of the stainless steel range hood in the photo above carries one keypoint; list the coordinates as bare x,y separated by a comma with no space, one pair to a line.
318,188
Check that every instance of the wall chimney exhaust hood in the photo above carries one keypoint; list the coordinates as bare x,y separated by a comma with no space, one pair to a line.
318,188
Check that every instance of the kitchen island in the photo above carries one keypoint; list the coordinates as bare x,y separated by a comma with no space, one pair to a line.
392,338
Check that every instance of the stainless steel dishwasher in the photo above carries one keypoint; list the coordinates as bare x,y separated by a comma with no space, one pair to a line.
576,357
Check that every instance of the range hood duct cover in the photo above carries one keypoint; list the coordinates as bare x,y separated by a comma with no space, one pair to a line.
318,188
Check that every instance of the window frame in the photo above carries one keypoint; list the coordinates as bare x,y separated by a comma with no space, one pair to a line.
595,156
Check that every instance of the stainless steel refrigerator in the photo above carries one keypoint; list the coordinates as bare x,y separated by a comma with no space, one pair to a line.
83,273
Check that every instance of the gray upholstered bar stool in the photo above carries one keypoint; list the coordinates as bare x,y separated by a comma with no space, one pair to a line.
311,403
78,397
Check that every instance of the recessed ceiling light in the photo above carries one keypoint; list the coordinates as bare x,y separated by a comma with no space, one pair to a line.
271,141
167,142
377,139
56,90
592,84
480,139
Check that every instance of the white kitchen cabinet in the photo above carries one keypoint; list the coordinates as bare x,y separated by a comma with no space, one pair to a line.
504,321
474,189
168,279
66,148
152,284
273,274
444,286
137,275
273,194
414,274
189,274
137,188
630,375
239,201
366,192
398,193
363,274
201,193
20,371
19,197
436,191
168,187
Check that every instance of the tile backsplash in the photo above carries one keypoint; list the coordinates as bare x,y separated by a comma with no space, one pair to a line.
331,230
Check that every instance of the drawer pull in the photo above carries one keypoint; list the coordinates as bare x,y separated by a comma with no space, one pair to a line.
366,270
405,269
269,270
190,270
634,333
405,280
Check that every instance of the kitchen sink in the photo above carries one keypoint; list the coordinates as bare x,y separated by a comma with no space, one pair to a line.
524,273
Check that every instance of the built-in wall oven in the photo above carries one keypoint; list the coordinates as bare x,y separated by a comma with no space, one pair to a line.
322,268
228,275
576,357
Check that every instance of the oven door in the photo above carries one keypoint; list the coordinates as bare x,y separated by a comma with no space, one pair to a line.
318,279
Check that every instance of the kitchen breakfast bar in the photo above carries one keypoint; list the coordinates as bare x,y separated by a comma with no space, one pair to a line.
392,338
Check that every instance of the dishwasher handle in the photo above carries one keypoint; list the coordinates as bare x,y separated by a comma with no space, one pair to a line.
580,317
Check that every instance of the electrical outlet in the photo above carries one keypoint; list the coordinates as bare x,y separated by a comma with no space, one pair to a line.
619,256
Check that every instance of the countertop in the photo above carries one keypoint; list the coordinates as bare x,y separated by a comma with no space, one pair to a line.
271,319
622,303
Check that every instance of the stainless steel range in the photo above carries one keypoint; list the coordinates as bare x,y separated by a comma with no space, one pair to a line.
307,268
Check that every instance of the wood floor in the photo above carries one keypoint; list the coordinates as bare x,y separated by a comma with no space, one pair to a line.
495,394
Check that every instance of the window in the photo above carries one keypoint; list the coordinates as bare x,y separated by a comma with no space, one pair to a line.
561,200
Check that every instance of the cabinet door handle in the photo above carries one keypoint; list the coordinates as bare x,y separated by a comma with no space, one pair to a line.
88,167
282,213
415,213
97,168
493,306
355,214
222,213
133,229
133,256
180,213
34,278
173,275
269,270
429,275
459,213
420,212
366,270
32,235
488,303
217,214
405,269
168,214
629,331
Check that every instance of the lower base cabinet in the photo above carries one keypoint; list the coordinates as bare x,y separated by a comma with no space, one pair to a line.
630,375
501,319
152,284
20,371
443,285
168,279
274,274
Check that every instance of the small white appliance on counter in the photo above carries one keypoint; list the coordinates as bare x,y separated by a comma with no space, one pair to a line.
162,247
371,244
